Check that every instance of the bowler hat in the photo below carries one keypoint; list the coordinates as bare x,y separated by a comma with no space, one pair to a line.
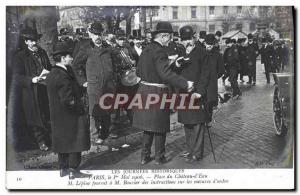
62,47
80,31
96,28
31,34
202,34
250,36
218,33
210,39
120,34
186,33
241,40
64,31
163,27
227,41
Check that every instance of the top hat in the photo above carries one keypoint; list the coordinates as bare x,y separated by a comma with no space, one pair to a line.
218,33
96,28
202,34
250,36
31,34
163,27
186,33
210,39
62,47
80,31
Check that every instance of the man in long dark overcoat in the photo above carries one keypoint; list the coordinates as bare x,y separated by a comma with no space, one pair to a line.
194,69
93,67
252,51
70,134
28,65
269,58
154,70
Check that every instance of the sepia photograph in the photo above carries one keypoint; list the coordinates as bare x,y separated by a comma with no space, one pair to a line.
150,97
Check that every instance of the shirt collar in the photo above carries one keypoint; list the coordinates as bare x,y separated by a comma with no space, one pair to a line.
62,66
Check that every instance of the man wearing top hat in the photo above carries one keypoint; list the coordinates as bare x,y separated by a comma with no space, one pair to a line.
30,66
195,69
93,68
70,135
252,51
154,70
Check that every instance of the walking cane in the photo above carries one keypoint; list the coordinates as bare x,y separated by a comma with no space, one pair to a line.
211,145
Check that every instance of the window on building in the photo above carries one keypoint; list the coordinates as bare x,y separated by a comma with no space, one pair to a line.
155,11
239,9
211,10
252,26
193,11
175,12
239,26
225,10
211,28
225,27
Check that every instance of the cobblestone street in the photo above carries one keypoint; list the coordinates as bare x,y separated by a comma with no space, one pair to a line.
242,135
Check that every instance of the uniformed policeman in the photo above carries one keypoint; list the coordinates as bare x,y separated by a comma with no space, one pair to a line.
153,69
278,55
227,49
243,60
232,58
252,51
269,58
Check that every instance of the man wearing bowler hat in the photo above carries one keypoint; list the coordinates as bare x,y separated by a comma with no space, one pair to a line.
154,70
93,67
200,41
70,135
31,65
193,68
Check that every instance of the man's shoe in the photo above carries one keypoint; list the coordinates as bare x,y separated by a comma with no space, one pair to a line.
146,160
63,172
43,147
253,83
161,161
113,136
184,154
73,173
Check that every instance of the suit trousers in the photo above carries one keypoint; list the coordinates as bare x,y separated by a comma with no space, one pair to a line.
69,160
194,135
233,76
160,140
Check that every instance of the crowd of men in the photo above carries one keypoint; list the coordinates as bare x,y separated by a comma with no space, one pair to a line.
95,62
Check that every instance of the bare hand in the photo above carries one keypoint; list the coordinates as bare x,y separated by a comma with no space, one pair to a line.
190,86
196,95
85,84
36,79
